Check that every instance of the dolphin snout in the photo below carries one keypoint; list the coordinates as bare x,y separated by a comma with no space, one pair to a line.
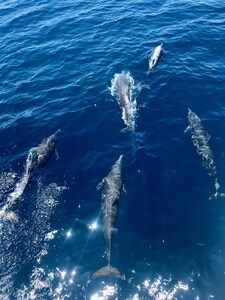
58,131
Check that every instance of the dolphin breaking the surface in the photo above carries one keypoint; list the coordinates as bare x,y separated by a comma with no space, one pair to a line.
110,197
37,157
124,91
200,140
154,58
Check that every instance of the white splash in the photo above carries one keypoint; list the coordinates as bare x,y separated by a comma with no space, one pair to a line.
135,297
105,293
7,181
62,274
50,235
43,280
18,190
126,89
9,216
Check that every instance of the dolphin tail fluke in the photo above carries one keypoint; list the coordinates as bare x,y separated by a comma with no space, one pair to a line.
108,271
217,196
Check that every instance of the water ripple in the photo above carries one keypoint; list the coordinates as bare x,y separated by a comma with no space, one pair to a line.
57,61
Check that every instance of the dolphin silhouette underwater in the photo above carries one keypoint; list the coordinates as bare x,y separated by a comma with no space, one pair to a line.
154,58
110,196
200,139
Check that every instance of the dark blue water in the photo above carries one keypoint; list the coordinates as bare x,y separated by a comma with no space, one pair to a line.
57,63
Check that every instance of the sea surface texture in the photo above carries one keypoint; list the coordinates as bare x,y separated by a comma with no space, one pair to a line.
59,65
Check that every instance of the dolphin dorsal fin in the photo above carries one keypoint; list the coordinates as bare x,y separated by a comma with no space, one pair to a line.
187,129
44,141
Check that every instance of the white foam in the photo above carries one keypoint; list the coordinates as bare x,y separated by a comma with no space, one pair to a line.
106,293
18,190
128,112
39,234
158,288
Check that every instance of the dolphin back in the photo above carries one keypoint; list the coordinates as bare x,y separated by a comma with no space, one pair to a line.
109,271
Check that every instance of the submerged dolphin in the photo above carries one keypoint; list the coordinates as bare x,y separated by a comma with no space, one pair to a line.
124,94
200,140
110,197
154,57
38,156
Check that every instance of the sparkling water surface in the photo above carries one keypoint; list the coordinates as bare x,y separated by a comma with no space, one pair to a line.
58,63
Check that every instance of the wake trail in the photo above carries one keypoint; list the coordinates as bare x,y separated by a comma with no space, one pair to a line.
18,190
134,143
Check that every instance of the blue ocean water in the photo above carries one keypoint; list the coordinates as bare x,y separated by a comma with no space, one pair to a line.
57,65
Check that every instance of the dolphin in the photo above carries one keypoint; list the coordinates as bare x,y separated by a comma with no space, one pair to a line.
200,139
110,198
38,156
154,58
125,100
